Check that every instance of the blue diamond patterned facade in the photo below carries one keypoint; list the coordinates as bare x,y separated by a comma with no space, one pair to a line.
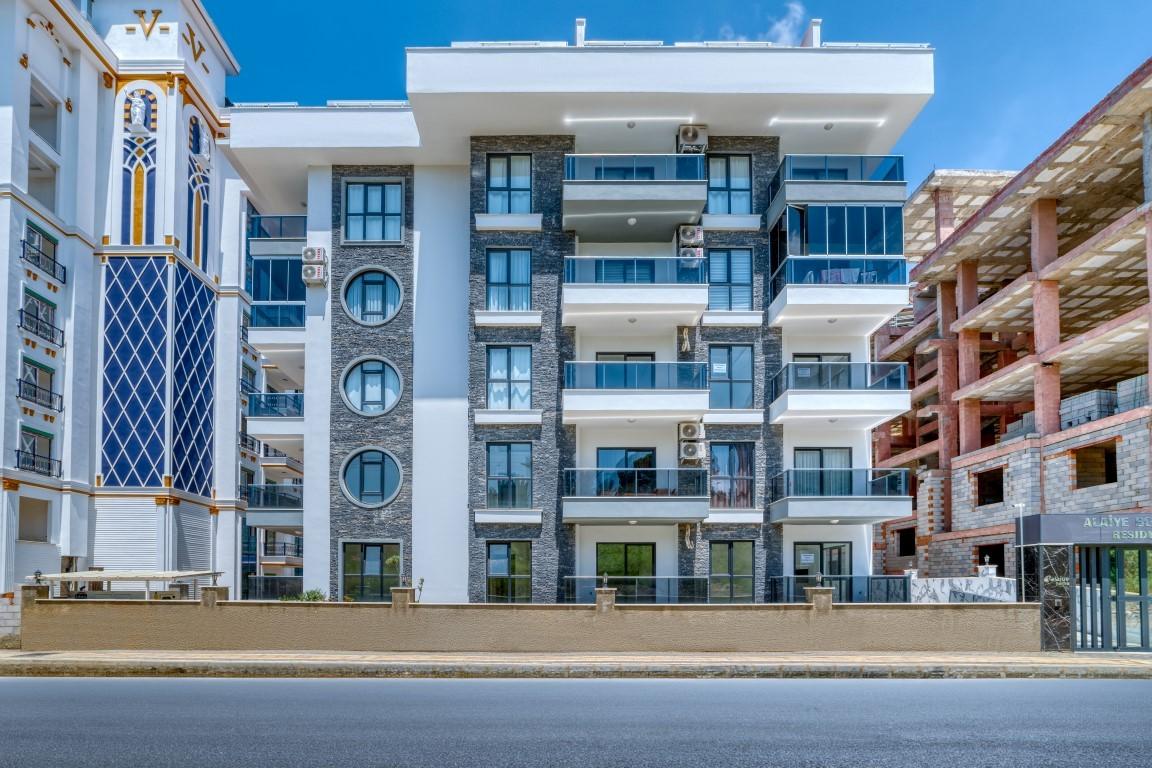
193,382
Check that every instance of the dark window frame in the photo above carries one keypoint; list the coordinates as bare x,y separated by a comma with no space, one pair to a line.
364,214
728,578
493,287
509,580
357,495
359,282
507,189
727,189
727,382
507,446
724,288
731,482
508,381
386,579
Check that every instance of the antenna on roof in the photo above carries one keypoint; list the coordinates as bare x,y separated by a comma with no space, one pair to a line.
580,24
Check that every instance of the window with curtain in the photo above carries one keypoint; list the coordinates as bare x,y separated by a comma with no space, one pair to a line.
733,475
509,572
730,279
509,183
373,297
731,572
730,376
509,281
372,212
730,184
509,475
510,378
822,472
371,477
372,387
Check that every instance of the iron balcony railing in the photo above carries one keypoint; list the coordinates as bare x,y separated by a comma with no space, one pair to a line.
839,482
272,496
627,168
41,328
839,376
654,483
34,393
276,404
836,168
41,465
845,589
279,457
639,375
669,270
42,261
284,549
244,334
249,443
808,270
278,315
274,587
249,387
638,589
277,227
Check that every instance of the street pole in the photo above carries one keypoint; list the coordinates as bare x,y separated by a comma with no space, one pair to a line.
1020,547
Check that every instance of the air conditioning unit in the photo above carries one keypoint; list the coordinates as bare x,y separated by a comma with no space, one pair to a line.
315,254
692,139
692,450
314,274
691,253
691,430
691,235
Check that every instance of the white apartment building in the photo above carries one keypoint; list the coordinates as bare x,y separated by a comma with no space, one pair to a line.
572,313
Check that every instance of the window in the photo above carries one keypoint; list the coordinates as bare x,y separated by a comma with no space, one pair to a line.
370,572
35,454
906,542
509,572
34,518
509,475
372,387
372,297
627,472
730,279
509,281
991,554
38,315
373,212
1095,465
731,572
510,378
822,472
733,476
44,116
990,487
42,179
35,383
40,249
509,183
729,184
730,376
277,279
371,477
616,559
839,230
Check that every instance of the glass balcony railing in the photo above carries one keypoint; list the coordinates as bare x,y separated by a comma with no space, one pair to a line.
845,589
839,376
639,589
41,465
43,261
836,168
274,587
627,168
839,482
34,393
624,271
839,271
277,316
275,496
655,483
40,327
640,375
283,549
288,405
277,227
276,456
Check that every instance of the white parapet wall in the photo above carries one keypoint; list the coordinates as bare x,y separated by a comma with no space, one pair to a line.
970,589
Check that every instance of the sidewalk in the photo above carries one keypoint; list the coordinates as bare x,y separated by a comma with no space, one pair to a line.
717,665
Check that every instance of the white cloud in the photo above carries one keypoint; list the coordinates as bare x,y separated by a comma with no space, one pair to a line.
782,30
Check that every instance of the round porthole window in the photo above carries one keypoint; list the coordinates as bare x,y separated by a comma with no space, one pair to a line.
371,477
372,297
371,387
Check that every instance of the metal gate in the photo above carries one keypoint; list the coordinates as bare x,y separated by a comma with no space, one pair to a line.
1112,599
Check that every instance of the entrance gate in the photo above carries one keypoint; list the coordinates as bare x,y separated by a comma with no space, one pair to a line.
1112,599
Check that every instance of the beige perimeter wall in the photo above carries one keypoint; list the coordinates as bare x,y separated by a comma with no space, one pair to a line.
185,625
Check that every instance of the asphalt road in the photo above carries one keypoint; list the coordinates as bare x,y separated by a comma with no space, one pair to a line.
158,723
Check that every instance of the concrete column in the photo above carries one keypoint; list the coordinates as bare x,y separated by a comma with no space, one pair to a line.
209,596
968,412
605,599
226,548
968,356
1148,253
1046,398
403,597
945,308
945,214
9,511
820,598
1046,315
1044,233
947,379
967,288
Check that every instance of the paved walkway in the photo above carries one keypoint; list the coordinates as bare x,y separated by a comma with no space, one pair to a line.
559,665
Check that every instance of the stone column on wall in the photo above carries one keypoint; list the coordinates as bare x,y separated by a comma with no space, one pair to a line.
9,511
1047,579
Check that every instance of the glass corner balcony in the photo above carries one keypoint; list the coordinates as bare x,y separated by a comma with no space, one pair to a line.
272,496
844,169
284,227
635,375
277,315
627,168
840,271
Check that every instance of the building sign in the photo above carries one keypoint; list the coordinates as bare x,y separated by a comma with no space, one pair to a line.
807,558
1088,529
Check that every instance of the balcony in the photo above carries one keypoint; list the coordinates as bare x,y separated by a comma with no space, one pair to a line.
662,590
629,392
842,395
838,178
835,496
284,227
41,465
659,291
274,506
617,198
841,295
43,261
278,465
276,416
279,315
34,393
42,328
635,495
273,587
282,550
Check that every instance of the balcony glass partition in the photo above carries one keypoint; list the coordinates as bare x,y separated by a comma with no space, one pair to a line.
840,376
275,496
836,168
277,227
635,482
638,589
845,589
839,482
277,316
805,271
626,168
265,404
638,375
625,271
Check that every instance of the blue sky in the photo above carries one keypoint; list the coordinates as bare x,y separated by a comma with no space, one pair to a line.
1011,75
